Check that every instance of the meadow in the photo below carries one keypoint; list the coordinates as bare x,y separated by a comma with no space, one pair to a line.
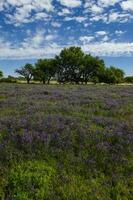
66,142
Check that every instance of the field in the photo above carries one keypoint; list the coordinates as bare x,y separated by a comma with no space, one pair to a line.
66,142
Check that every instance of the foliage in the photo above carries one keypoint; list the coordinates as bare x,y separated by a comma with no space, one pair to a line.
66,143
26,72
9,79
1,74
44,70
75,66
72,65
113,75
129,79
30,180
93,68
69,63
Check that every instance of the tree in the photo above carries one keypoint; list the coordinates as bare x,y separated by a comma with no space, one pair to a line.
9,79
113,75
129,79
118,73
45,70
93,68
1,74
72,65
26,71
108,76
69,64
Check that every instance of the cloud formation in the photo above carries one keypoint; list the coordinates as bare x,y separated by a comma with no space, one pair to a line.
36,28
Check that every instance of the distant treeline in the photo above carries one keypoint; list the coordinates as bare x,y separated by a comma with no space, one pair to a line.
72,65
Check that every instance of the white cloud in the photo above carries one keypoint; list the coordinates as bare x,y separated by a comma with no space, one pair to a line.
38,5
41,45
23,10
99,6
28,11
41,16
1,5
127,5
34,41
34,46
107,3
86,39
96,9
119,32
109,49
50,37
38,44
56,24
106,10
64,11
101,33
78,19
71,3
119,17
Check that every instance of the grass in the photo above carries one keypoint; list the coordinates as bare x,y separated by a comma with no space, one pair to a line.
66,142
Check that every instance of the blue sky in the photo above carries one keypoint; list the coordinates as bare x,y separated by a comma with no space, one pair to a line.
32,29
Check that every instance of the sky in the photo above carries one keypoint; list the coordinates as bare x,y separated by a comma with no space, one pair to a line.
33,29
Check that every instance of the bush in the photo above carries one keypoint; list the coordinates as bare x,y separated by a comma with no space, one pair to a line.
30,180
129,79
8,80
75,187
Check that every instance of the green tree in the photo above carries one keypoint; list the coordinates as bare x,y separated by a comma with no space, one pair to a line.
93,68
45,70
69,64
1,74
26,72
113,75
108,76
129,79
119,74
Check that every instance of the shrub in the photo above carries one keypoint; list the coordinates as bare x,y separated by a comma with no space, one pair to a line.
8,80
129,79
30,180
75,187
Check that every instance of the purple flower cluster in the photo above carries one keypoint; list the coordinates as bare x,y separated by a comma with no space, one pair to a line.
91,123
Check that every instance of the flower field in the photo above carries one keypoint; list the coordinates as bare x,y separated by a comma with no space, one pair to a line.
66,142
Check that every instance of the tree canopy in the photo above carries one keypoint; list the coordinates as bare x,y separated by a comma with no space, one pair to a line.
113,75
129,79
44,70
72,65
69,64
27,72
1,74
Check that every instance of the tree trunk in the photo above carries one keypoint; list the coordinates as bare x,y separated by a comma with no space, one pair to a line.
49,80
44,81
28,81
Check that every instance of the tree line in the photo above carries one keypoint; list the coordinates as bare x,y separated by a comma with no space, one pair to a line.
72,65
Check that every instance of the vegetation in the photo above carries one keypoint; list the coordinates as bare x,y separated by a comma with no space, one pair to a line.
1,74
113,75
72,65
44,70
129,79
70,142
9,79
26,71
